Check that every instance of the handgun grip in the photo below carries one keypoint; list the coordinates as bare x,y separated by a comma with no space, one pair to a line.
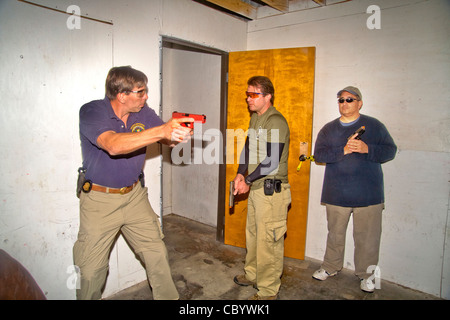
231,199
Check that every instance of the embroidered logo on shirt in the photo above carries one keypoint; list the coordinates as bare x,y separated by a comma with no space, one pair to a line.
137,127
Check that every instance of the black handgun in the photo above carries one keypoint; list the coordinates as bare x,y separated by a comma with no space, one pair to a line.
360,132
231,200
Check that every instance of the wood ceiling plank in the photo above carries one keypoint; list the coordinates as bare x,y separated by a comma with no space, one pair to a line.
280,5
321,2
243,8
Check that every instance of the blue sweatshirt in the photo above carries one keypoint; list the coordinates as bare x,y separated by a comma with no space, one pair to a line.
353,180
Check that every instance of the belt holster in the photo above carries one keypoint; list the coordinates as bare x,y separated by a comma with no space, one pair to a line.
142,179
83,184
271,186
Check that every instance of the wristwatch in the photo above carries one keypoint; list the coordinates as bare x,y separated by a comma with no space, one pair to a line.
247,182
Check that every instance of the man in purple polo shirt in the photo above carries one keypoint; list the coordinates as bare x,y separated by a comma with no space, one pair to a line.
114,134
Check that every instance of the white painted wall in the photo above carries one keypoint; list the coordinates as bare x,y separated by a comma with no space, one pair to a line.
403,71
46,73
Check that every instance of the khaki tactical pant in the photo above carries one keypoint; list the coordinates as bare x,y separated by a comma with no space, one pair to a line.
102,216
266,226
366,235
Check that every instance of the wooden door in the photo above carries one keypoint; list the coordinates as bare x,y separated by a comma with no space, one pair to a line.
292,73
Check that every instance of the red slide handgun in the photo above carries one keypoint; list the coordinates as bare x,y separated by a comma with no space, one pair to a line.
201,118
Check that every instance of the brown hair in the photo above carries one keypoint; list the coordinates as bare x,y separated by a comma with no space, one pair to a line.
123,79
264,84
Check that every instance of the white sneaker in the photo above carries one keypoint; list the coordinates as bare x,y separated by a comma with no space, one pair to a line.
322,274
367,285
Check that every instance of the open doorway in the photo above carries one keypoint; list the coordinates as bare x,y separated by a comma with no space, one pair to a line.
193,80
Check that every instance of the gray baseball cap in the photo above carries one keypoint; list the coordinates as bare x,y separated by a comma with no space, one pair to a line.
353,90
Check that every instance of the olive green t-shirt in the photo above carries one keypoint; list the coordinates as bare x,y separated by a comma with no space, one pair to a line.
271,127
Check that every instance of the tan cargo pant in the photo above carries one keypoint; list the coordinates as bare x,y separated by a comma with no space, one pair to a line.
366,235
266,226
102,216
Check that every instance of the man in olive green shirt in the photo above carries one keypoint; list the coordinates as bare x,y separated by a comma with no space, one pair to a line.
265,159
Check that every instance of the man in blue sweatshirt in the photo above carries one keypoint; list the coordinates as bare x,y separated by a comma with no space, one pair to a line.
353,183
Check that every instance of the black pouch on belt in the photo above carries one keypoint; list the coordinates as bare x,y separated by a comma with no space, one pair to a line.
271,186
83,184
277,185
142,179
81,180
268,187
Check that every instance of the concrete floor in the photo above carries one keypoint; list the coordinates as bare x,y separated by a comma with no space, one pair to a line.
203,269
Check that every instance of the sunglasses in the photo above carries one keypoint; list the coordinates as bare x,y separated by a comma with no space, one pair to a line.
348,100
253,95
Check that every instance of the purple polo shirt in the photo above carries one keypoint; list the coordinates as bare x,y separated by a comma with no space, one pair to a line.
120,171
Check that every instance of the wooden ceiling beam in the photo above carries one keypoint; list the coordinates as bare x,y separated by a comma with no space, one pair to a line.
280,5
243,8
321,2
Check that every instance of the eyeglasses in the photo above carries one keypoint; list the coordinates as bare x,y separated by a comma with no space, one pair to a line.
139,93
253,95
348,100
